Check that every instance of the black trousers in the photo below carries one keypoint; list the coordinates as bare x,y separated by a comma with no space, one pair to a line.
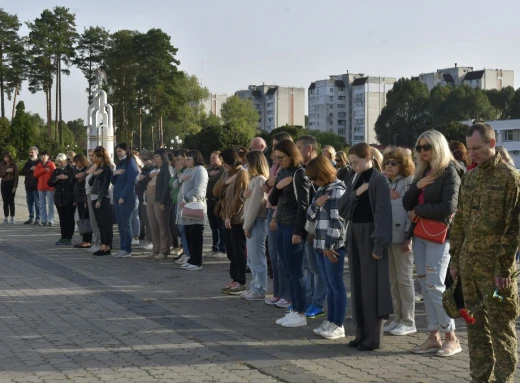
8,197
195,241
104,220
84,213
236,253
66,214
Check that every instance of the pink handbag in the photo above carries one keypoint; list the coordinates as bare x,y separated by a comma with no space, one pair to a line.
194,210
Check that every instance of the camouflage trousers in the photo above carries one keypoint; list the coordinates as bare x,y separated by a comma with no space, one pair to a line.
492,339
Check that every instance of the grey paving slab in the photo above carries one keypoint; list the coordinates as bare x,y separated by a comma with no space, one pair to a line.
66,316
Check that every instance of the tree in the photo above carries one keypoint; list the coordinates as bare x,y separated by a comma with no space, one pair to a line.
501,101
295,131
90,54
466,103
514,109
9,43
18,72
240,115
41,68
214,138
328,138
453,131
23,133
79,130
5,127
405,115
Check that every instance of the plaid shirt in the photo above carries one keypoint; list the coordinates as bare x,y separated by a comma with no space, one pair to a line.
330,227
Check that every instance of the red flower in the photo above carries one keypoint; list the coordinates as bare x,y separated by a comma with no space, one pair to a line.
468,318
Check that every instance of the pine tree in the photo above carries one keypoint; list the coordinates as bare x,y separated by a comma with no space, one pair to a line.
9,43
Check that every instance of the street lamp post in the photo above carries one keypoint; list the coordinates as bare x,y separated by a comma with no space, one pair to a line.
395,135
175,141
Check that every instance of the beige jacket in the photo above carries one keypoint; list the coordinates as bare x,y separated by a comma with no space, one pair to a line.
254,206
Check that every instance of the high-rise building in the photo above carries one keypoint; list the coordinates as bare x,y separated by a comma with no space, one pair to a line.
348,105
276,105
484,79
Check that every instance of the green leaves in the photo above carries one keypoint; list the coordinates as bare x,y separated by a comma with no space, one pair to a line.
240,115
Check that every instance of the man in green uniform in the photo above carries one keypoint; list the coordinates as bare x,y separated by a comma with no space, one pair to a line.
483,244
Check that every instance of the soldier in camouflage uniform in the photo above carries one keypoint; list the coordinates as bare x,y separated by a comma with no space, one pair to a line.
484,240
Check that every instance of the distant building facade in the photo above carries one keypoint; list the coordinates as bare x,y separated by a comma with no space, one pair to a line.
213,103
276,105
485,79
348,105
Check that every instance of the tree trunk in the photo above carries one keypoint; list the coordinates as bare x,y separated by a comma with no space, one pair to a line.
14,100
140,130
61,115
2,82
57,102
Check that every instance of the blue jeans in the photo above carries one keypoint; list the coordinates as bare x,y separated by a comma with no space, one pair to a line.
292,258
280,281
256,256
136,221
332,275
124,223
33,204
315,286
46,199
182,231
431,264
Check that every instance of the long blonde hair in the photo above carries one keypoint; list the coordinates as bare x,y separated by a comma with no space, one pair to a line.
441,154
257,164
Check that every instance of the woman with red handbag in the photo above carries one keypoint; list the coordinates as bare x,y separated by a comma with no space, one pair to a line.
432,200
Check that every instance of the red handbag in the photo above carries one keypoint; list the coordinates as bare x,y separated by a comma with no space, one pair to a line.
430,230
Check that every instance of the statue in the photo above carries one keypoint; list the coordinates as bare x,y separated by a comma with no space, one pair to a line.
100,129
100,77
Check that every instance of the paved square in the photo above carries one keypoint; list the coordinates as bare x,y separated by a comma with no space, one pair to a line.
66,316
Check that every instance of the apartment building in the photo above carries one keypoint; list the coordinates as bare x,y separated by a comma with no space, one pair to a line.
348,105
213,103
276,105
484,79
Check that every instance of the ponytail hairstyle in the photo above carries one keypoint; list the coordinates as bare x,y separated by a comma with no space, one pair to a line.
363,150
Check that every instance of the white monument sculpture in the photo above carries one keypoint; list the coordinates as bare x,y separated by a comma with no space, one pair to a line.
100,122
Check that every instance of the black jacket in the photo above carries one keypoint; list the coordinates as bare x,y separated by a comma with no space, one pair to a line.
162,189
140,188
440,198
31,182
291,208
80,195
101,183
63,189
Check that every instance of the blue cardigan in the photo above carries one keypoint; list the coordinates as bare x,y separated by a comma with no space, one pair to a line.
124,184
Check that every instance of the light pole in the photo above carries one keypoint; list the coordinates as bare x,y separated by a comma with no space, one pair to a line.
395,135
176,141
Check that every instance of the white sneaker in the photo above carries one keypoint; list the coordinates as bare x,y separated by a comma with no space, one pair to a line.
185,265
182,260
334,332
12,221
285,318
123,254
403,329
161,256
93,249
323,327
296,320
135,242
191,267
146,246
391,326
283,303
117,254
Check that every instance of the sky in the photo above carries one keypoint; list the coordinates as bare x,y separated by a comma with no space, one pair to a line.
231,44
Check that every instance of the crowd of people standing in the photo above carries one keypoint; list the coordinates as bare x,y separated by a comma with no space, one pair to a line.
300,217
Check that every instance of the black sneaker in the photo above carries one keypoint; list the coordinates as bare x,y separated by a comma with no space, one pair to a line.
28,222
101,253
37,222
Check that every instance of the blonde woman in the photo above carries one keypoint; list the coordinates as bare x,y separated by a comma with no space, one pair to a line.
434,195
399,169
329,152
255,224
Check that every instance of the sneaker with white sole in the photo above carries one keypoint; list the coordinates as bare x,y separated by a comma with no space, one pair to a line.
244,293
117,254
271,301
283,303
237,289
123,254
391,326
296,320
252,296
146,246
184,265
191,267
285,318
334,332
135,242
403,329
182,260
323,327
161,256
93,249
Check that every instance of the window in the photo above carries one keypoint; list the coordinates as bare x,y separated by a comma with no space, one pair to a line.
342,122
269,112
270,119
331,98
318,123
311,123
342,114
270,104
331,90
341,98
342,106
341,89
331,130
257,98
311,91
331,106
331,123
511,135
341,131
331,114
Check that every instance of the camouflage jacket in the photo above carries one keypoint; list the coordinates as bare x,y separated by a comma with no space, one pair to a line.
485,233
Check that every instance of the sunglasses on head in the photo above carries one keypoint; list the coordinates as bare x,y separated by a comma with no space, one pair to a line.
391,162
339,160
425,148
